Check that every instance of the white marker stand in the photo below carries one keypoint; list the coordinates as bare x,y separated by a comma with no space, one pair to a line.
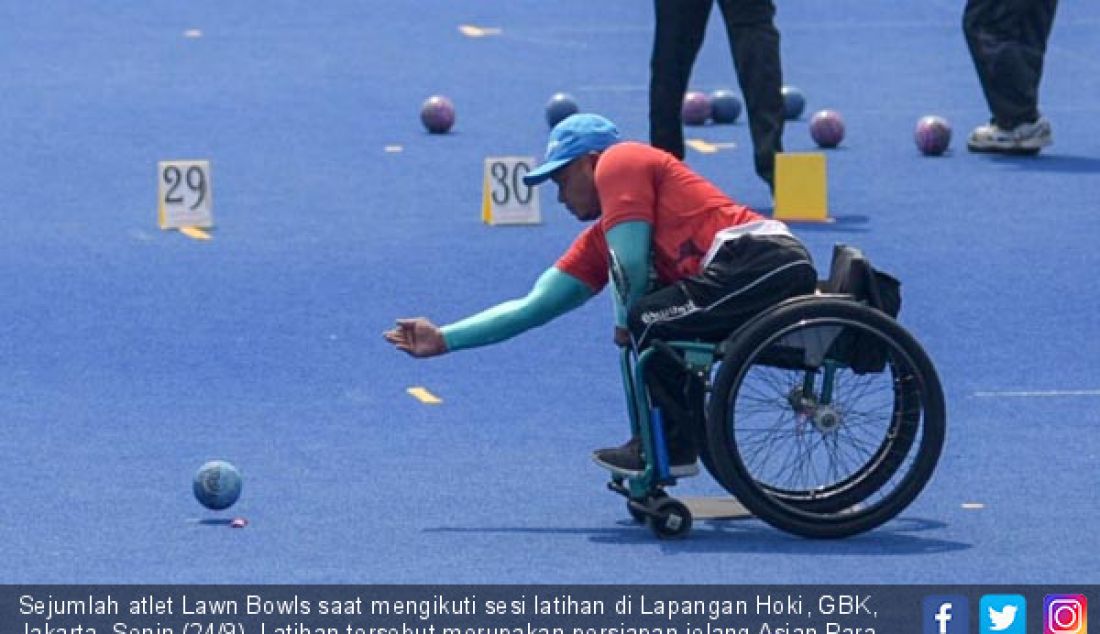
185,194
505,199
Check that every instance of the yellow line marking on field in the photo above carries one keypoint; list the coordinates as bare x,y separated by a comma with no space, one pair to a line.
470,30
706,147
195,233
424,396
700,145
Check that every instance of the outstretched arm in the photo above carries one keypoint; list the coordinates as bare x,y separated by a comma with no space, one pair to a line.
554,294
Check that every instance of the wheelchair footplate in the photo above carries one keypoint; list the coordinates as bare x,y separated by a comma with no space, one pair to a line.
669,517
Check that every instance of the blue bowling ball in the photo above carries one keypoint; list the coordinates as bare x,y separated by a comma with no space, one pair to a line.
794,102
217,485
725,107
560,106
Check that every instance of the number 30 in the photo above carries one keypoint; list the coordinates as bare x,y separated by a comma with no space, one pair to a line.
511,184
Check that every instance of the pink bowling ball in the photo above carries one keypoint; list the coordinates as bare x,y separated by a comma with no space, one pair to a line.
827,128
696,108
437,114
933,135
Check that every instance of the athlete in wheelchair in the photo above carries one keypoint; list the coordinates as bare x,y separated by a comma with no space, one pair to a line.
812,401
822,415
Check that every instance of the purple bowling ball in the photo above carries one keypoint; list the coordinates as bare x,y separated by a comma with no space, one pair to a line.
827,128
933,135
696,108
437,114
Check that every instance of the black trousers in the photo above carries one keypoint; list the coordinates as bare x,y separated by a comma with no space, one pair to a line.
754,44
1008,41
746,276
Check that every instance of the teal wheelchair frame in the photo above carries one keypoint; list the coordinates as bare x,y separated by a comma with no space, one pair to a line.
809,343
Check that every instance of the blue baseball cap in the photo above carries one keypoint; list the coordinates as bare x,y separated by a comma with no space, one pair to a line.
575,135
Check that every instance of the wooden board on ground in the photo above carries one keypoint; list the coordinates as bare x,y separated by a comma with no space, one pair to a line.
716,508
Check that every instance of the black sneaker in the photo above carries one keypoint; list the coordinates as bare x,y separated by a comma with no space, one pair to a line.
627,459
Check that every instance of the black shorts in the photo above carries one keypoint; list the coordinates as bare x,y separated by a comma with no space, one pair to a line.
746,275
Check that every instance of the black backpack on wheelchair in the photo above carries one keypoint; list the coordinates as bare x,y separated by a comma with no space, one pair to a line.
852,274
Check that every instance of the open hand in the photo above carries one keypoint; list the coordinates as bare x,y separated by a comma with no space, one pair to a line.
418,337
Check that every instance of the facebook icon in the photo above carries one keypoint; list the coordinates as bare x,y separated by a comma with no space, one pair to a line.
946,614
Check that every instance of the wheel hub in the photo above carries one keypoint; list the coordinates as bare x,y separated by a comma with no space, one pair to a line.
827,418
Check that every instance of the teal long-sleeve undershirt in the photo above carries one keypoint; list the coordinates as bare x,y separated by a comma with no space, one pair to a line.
554,294
631,243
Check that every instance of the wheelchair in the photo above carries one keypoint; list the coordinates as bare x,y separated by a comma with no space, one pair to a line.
821,415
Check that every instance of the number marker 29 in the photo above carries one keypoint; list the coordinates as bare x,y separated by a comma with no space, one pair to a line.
185,196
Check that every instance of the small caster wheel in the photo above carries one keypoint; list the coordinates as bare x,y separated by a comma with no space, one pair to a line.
672,520
641,516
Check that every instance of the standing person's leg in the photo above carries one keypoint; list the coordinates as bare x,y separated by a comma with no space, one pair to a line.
1007,41
746,276
1035,33
754,44
678,35
983,44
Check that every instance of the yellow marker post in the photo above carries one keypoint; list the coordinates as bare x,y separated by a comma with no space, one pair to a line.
801,193
424,396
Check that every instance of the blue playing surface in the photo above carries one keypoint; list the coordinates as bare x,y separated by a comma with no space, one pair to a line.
130,356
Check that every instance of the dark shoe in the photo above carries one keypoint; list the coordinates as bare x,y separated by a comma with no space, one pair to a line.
628,459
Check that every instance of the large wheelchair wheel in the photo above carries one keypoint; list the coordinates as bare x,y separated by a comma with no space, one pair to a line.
827,418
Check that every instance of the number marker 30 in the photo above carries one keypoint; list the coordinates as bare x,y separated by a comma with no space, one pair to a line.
506,200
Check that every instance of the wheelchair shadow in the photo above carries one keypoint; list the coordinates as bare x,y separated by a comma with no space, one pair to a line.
899,537
1063,163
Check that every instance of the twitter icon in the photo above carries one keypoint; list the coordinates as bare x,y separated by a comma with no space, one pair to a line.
1002,614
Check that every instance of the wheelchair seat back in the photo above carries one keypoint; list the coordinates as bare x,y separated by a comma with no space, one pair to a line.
850,275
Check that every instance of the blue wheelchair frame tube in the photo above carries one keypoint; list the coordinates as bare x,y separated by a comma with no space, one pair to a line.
649,424
645,419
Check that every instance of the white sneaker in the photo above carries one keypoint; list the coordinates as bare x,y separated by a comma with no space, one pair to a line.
1026,138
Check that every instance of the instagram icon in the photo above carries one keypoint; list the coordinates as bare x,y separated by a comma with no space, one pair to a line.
1065,614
